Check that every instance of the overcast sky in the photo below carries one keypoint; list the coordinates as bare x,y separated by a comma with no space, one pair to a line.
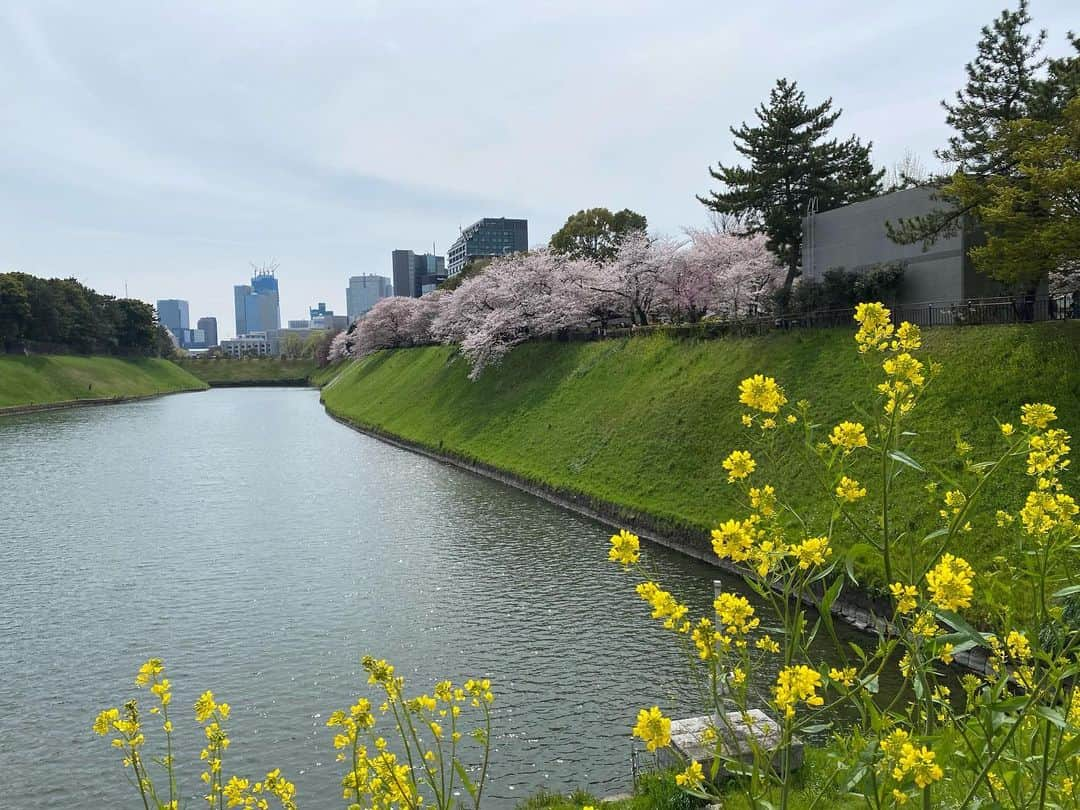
166,145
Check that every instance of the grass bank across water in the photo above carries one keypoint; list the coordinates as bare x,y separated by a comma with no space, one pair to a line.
640,426
225,372
45,380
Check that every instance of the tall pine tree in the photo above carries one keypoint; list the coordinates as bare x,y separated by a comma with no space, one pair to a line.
792,161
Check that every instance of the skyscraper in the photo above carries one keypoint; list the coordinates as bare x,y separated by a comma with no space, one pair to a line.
173,314
209,329
363,292
489,237
257,305
415,274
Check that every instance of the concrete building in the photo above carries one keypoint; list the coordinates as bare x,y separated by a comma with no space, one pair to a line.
257,305
299,324
208,326
416,274
364,292
254,345
173,314
854,238
485,239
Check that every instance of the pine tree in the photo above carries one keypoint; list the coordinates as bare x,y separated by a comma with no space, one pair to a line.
1000,88
792,161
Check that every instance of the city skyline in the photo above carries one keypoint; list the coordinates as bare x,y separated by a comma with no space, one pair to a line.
135,162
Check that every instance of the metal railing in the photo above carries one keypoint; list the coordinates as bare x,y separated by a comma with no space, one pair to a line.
970,312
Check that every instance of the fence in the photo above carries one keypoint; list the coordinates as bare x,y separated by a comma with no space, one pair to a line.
976,311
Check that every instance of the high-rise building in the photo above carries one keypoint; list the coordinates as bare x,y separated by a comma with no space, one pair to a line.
363,292
487,238
416,274
173,314
257,305
208,326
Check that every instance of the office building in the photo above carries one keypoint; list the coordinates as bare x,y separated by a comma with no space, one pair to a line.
254,345
485,239
416,274
208,326
173,314
364,292
257,304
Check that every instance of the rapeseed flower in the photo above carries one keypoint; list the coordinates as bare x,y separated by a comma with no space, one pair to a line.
739,465
762,393
920,763
849,436
653,728
692,777
735,613
906,596
875,329
950,583
849,490
797,684
625,548
812,551
1038,415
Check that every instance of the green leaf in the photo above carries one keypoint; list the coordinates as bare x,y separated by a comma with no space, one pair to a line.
469,786
1066,592
904,458
1053,715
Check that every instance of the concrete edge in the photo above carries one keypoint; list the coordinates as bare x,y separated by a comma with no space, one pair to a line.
856,607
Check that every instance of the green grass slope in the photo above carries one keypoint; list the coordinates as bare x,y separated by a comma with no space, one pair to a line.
251,371
644,424
48,379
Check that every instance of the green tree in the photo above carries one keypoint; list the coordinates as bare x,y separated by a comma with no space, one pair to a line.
792,160
1031,216
596,233
14,309
1011,130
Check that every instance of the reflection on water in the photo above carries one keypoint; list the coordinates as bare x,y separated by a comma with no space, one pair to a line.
260,548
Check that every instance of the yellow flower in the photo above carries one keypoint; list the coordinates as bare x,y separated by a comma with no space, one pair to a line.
705,639
950,583
738,676
204,707
795,684
653,728
849,436
849,490
664,605
875,329
920,763
625,548
734,539
791,419
762,393
768,423
747,420
905,368
812,551
1007,429
763,499
909,337
1037,415
899,796
103,724
692,777
846,676
739,465
925,625
735,613
947,652
1018,645
768,644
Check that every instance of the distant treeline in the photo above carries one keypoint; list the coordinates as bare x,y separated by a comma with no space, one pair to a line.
62,314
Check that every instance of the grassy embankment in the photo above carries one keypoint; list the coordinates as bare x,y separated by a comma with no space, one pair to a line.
643,424
251,371
57,379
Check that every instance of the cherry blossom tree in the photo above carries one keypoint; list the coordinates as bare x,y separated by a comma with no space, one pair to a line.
743,272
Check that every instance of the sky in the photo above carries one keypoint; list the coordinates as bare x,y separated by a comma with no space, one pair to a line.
160,148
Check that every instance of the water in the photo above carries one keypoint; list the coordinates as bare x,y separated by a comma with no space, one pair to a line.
261,548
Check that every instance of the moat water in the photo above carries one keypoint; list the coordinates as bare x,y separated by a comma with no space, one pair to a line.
260,548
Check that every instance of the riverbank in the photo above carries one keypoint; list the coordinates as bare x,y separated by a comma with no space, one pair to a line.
255,371
635,429
46,382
